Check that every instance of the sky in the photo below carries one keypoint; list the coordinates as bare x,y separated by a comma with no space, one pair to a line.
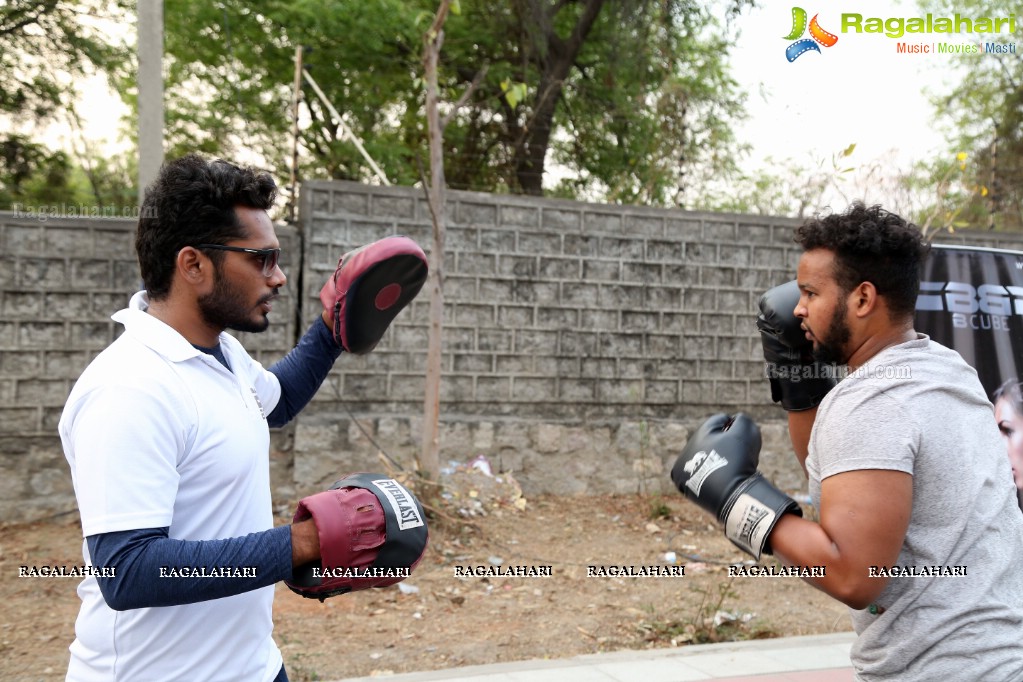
842,94
858,91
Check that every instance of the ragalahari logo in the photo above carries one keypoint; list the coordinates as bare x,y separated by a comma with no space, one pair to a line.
817,35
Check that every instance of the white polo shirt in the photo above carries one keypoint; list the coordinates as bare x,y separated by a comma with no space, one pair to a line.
159,434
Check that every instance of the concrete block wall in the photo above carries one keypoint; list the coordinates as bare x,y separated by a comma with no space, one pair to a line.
582,342
559,309
60,280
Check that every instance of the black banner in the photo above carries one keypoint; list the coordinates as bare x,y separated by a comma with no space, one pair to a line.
971,300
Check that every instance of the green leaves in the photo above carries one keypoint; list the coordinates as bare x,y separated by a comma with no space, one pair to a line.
646,98
513,92
45,48
982,116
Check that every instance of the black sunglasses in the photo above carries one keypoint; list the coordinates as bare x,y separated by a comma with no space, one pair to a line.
270,256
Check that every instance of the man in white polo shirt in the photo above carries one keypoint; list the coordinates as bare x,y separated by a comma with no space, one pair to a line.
166,433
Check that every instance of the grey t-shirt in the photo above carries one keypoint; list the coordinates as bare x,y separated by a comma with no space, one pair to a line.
918,407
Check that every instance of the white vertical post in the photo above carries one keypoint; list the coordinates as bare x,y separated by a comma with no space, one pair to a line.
150,89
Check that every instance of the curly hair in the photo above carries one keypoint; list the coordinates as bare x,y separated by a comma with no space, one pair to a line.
871,245
191,202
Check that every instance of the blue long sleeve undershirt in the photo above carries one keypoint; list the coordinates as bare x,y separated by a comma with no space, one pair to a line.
138,555
302,371
154,570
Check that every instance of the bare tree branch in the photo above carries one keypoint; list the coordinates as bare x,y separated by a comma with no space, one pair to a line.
465,96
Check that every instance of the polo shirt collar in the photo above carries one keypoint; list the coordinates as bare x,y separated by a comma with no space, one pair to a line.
153,332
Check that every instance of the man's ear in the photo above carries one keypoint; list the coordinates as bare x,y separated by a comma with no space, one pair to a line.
864,299
193,266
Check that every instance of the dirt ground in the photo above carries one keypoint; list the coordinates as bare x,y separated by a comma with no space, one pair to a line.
444,621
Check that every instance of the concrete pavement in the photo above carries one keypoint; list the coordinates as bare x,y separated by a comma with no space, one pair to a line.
814,658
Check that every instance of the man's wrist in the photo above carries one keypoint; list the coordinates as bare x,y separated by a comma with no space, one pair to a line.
305,542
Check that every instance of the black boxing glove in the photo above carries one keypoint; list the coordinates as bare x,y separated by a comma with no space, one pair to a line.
798,382
718,470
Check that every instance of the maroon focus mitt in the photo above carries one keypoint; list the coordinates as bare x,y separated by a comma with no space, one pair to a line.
372,533
369,287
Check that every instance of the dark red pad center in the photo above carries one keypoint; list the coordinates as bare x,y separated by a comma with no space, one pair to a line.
387,296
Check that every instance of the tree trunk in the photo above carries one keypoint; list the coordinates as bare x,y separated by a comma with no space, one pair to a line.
429,462
555,65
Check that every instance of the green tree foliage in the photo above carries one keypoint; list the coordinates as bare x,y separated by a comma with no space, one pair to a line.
229,68
650,105
32,176
626,97
45,47
47,44
983,115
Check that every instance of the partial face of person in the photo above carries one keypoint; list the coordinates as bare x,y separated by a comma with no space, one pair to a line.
1010,423
245,283
822,306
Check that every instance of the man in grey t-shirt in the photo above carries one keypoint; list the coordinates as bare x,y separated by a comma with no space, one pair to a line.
952,603
919,532
919,527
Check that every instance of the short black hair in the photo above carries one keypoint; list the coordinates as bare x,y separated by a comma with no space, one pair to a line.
871,245
191,202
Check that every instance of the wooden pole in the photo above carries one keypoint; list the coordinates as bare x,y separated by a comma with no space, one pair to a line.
296,98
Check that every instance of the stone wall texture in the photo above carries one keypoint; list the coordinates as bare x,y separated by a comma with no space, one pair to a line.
582,342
